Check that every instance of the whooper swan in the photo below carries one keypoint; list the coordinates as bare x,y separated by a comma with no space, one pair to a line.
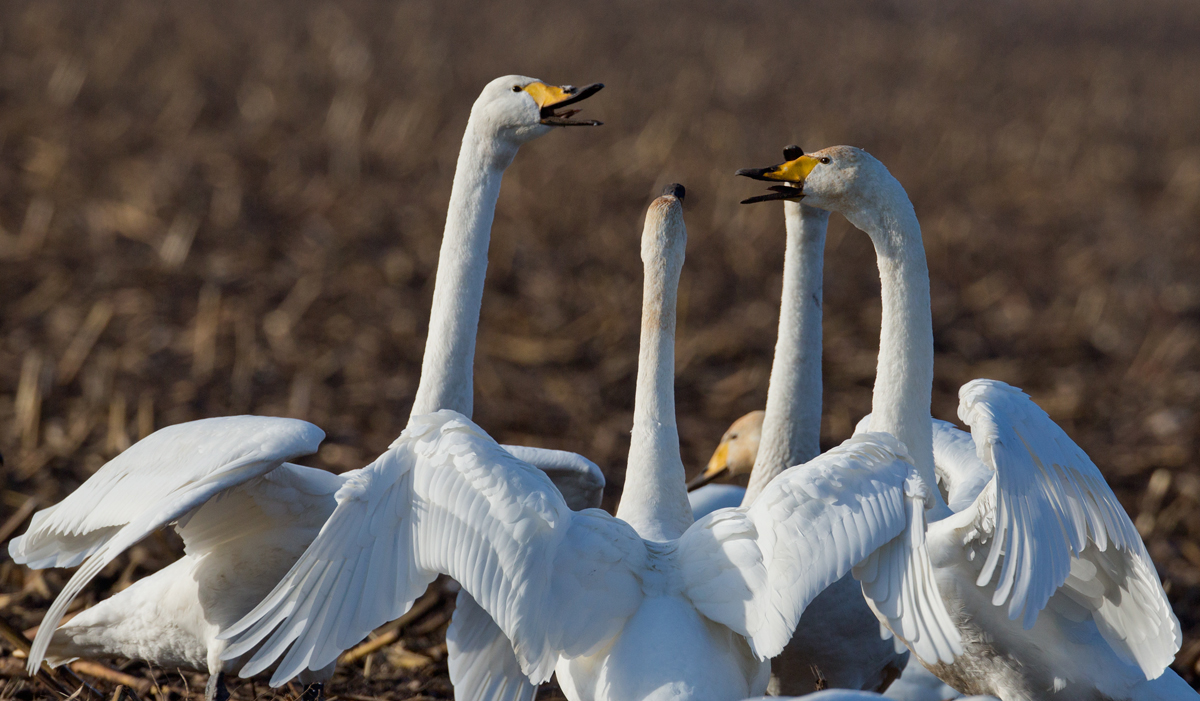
1051,588
246,515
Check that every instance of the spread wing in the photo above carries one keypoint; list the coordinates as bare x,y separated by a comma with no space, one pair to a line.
483,666
160,478
1057,524
446,498
755,569
284,508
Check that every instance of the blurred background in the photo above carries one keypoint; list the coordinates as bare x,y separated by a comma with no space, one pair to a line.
227,207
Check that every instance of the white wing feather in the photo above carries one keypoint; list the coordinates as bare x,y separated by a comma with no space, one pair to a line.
755,569
1057,524
898,582
483,665
160,478
447,498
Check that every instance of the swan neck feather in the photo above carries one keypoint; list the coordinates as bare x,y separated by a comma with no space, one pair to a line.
446,369
791,428
904,378
654,500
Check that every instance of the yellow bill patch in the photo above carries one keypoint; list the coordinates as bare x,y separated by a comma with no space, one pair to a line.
719,460
794,171
546,95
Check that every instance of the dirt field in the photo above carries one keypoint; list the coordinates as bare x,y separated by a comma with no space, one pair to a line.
228,207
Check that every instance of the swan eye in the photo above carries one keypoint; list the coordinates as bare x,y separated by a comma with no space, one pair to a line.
826,159
516,88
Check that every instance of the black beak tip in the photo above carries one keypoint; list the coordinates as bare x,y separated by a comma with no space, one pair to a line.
674,190
588,90
756,173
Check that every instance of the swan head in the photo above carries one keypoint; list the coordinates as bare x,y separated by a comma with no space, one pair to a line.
736,453
665,236
520,109
837,178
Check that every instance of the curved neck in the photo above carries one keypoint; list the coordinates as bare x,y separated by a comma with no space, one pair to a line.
791,431
654,500
904,378
462,267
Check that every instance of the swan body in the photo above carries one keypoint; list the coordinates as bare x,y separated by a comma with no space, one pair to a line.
1050,588
648,605
256,516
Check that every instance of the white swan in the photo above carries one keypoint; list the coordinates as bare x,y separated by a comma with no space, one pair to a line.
837,643
1050,586
646,606
245,514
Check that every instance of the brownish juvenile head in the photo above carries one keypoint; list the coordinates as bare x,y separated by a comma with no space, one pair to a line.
736,453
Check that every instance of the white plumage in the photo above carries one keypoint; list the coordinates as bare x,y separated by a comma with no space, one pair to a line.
1047,581
566,586
617,610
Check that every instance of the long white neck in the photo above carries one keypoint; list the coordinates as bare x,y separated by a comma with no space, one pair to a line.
904,378
654,500
791,430
462,267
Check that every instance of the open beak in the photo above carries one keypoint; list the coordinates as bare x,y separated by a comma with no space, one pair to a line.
552,98
718,465
793,172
